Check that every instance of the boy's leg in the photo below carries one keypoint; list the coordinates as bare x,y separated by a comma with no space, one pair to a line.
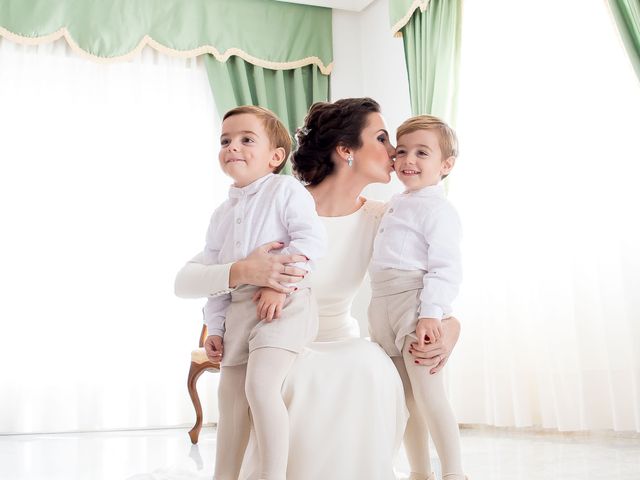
416,434
266,372
233,423
431,400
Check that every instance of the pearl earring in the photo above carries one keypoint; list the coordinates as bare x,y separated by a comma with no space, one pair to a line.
350,160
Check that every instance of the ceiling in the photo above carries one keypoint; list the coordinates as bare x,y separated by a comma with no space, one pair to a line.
352,5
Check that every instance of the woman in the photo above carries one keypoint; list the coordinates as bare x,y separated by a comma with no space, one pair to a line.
344,396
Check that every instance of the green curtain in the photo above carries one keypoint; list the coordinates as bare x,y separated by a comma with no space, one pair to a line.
264,32
288,93
432,52
627,16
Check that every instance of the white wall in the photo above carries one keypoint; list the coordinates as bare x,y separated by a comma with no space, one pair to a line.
369,61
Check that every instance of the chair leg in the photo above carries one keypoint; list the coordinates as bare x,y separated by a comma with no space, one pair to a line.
194,373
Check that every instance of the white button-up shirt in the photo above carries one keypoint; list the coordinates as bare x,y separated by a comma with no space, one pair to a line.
273,208
421,231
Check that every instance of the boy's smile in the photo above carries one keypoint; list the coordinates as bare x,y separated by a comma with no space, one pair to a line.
419,160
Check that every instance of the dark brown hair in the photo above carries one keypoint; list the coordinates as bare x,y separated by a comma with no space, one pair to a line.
276,131
326,126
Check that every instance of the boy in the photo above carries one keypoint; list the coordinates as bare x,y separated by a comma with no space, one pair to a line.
259,348
415,275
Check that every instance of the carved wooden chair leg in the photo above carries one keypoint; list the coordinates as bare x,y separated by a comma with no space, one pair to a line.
194,373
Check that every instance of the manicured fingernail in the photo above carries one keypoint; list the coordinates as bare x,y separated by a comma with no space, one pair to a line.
415,361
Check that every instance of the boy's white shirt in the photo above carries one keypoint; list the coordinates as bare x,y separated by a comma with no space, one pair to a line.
272,208
421,230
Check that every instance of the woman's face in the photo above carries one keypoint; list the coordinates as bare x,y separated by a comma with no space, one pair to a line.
374,159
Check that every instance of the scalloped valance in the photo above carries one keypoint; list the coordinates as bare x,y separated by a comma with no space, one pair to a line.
400,12
266,33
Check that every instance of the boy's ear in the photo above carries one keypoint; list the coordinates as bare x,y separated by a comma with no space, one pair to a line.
447,165
279,156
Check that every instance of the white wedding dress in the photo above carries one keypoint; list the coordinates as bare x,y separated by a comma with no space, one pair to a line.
344,396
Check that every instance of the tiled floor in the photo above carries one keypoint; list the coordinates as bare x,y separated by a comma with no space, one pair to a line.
489,454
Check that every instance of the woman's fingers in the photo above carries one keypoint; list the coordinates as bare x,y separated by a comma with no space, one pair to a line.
429,362
440,365
288,278
267,247
278,311
421,353
293,259
279,288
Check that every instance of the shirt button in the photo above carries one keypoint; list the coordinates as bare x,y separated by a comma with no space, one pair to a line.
238,220
237,244
391,210
381,230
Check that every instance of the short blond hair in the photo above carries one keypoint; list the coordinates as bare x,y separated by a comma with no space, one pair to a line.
276,131
448,139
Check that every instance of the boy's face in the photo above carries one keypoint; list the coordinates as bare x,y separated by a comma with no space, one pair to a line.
246,153
419,160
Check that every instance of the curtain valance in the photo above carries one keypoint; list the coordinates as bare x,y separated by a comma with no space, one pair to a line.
266,33
401,11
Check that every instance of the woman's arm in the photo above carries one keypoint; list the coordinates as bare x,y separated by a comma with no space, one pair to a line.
260,268
436,355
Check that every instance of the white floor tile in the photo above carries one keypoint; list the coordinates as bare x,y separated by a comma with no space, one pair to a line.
489,454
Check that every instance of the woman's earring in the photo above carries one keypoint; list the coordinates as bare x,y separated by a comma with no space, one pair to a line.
350,160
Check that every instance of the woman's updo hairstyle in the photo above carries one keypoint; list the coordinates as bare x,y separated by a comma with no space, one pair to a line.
326,126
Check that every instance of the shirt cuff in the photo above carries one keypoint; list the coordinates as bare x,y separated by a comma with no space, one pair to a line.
429,310
223,276
214,328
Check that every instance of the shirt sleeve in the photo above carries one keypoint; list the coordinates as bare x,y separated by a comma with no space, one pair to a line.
443,233
214,314
307,233
198,280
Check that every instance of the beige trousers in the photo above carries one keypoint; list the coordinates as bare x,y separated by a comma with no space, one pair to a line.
393,315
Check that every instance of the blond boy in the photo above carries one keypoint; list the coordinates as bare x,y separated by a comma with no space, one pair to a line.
415,275
260,344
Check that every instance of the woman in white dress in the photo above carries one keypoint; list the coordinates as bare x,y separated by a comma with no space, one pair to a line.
345,400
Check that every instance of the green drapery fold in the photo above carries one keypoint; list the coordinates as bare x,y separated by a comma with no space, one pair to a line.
268,33
432,53
400,12
288,93
627,16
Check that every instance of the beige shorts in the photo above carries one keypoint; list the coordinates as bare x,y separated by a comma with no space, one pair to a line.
394,307
244,332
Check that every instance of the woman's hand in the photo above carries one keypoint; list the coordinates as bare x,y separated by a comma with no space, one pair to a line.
436,354
264,269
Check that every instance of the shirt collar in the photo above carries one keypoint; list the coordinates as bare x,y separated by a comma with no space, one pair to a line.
430,191
235,192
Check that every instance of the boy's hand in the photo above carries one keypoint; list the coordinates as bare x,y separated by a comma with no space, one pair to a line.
270,303
429,330
213,347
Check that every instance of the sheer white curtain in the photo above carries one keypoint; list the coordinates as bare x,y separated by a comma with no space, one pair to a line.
108,175
547,185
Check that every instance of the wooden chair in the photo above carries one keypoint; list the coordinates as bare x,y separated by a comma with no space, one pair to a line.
199,364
